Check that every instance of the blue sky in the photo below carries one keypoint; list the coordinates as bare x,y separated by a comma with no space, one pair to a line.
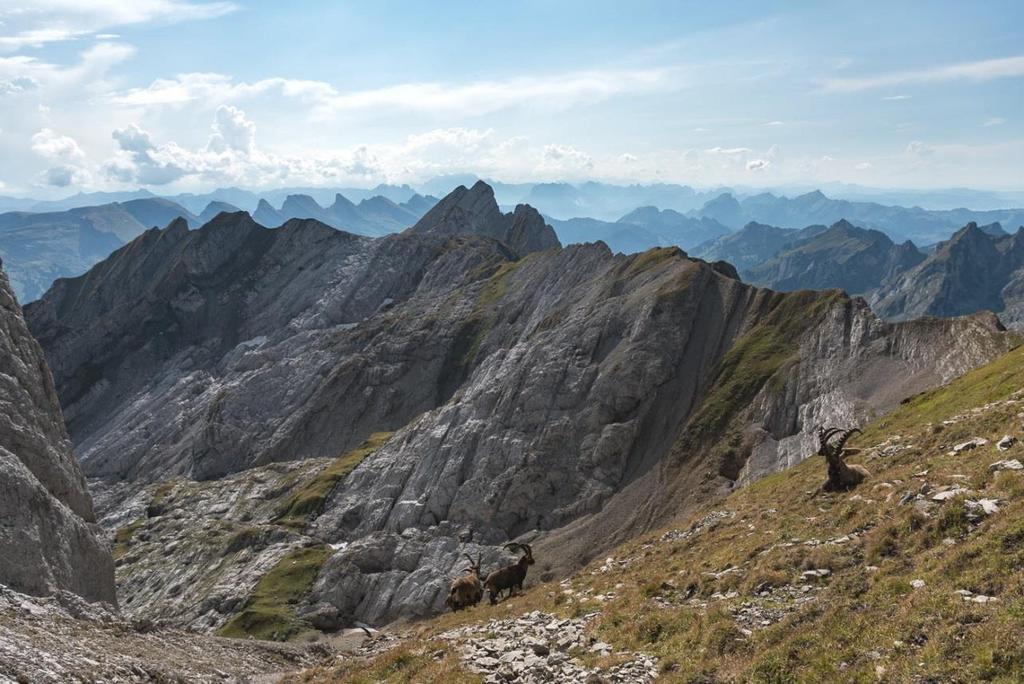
193,94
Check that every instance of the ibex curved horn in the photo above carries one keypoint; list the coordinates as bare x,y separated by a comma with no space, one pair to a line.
470,559
825,434
845,436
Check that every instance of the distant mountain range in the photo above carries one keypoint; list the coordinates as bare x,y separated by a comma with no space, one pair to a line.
978,268
38,248
374,216
923,226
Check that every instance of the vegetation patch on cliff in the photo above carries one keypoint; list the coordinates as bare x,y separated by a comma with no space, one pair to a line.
269,613
305,504
753,361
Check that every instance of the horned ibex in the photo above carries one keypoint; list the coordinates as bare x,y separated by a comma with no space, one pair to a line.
840,476
466,590
511,576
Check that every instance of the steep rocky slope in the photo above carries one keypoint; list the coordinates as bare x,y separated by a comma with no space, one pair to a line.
570,397
914,576
843,256
48,541
974,270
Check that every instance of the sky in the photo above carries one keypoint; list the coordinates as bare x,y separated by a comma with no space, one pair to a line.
189,95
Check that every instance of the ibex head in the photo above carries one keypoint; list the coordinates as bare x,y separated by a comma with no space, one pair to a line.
527,558
833,450
474,566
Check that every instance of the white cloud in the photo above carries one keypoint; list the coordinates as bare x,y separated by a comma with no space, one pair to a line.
50,21
983,70
863,166
896,98
758,164
232,131
627,158
52,145
19,84
565,159
773,123
141,161
916,148
556,92
730,150
995,121
62,176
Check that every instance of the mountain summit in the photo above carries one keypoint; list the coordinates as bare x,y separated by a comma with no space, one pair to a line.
474,211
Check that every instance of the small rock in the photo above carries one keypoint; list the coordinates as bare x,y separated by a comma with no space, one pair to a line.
1012,464
917,583
970,444
1006,442
986,506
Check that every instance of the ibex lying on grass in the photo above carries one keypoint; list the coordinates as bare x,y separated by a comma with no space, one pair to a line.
466,590
511,576
840,476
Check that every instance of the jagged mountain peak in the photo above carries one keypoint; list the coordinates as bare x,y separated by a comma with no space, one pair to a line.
475,211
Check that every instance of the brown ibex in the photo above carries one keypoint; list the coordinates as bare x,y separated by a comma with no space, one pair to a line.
466,590
840,476
511,576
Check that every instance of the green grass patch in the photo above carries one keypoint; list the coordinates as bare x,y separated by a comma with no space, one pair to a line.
123,537
269,613
306,504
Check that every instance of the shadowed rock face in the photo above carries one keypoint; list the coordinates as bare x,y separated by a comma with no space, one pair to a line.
570,397
45,510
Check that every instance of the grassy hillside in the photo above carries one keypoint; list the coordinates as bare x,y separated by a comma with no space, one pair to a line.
905,579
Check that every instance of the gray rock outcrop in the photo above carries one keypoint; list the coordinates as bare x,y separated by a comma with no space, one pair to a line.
49,542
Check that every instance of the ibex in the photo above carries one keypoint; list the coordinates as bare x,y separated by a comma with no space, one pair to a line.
840,476
511,576
466,590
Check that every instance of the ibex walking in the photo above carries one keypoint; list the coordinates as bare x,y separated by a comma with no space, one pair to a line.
466,590
511,576
840,476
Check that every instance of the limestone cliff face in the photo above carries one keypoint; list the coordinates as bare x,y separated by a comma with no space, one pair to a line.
45,511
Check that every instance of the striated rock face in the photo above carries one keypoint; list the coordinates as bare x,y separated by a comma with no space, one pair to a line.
48,541
568,397
475,212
